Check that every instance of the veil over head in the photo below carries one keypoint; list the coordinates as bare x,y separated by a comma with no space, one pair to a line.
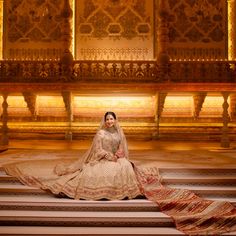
123,141
78,165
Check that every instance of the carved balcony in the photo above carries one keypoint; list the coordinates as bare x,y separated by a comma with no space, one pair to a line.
52,71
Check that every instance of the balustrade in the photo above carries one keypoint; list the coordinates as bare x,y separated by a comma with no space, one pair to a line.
118,71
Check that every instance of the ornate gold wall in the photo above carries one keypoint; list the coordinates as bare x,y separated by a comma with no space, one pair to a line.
198,29
116,30
33,29
119,29
116,67
1,28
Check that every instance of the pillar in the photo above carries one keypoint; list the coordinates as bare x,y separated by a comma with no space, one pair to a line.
67,57
5,139
225,143
163,40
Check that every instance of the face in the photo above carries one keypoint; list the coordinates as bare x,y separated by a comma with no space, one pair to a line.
110,121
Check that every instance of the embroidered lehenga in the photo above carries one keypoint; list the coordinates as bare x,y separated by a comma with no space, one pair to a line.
97,176
94,176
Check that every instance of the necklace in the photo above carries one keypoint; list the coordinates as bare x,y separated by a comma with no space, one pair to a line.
111,131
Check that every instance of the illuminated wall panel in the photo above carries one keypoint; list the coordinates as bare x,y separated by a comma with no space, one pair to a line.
51,106
178,106
1,28
17,106
212,107
139,106
114,30
1,100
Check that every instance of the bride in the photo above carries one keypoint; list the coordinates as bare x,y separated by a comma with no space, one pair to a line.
104,172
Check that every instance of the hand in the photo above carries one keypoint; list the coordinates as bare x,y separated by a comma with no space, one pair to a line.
110,157
120,154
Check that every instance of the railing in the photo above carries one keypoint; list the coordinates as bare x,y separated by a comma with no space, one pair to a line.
117,71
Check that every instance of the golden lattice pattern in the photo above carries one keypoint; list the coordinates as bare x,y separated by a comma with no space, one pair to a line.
1,27
197,29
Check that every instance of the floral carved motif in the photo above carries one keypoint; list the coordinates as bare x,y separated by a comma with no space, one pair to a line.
33,20
201,22
204,16
98,16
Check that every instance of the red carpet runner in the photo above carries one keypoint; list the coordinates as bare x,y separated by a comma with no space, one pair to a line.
192,215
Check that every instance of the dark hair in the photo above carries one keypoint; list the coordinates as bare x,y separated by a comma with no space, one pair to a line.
109,113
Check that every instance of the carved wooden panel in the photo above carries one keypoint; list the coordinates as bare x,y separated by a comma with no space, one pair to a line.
114,29
1,27
33,29
198,29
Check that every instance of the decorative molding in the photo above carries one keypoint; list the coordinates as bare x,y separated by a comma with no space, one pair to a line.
117,72
32,31
30,99
198,28
198,100
161,103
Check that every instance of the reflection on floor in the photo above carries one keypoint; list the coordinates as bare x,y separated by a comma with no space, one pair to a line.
163,153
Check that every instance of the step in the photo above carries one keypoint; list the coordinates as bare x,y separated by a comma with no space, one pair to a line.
207,190
166,179
198,180
20,189
204,189
85,231
195,171
85,218
66,204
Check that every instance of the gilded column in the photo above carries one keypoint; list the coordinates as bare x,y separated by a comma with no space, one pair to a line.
231,29
67,57
233,106
163,39
225,129
67,98
5,139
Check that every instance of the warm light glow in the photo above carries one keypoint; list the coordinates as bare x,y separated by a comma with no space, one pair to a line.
1,100
17,106
178,106
50,106
125,106
212,107
72,47
1,29
230,29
